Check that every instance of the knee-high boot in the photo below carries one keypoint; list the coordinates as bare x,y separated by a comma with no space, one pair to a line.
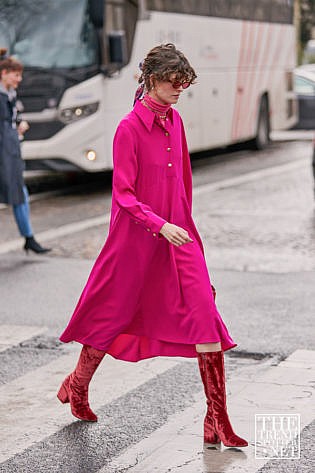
217,426
210,435
74,388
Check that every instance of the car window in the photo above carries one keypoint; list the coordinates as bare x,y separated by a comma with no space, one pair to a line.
303,86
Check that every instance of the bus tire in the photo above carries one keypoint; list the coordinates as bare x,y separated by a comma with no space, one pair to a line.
262,138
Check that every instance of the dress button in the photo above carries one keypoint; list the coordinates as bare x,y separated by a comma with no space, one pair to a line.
148,230
168,149
154,234
166,133
169,165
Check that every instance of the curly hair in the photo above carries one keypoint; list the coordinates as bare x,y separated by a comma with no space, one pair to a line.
9,63
163,61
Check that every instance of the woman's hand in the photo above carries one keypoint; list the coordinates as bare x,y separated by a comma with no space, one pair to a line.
174,234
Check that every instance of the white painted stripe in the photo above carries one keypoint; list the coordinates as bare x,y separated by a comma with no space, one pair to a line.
75,227
292,135
30,411
249,177
177,446
12,335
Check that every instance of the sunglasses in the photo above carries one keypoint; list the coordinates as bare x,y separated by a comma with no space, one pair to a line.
176,84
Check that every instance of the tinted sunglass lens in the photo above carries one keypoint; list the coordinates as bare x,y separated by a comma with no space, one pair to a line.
185,85
176,84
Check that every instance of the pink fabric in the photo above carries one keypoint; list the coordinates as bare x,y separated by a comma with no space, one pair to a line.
159,109
156,106
145,297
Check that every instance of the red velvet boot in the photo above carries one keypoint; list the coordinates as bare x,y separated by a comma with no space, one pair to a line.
74,389
210,436
213,377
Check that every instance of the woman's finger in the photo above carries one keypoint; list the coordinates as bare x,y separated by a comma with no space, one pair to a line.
180,238
175,241
178,241
184,236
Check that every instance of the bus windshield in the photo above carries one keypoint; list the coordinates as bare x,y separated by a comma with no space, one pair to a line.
49,34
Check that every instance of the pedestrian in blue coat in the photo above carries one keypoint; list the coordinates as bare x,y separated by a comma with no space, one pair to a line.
12,188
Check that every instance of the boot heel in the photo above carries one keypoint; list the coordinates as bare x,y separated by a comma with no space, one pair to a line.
212,446
63,395
211,440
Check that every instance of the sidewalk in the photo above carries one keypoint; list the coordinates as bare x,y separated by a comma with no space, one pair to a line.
292,135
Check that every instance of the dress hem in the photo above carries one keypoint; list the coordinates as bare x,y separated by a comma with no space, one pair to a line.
191,353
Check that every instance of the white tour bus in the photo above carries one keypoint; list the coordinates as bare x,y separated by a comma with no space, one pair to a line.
81,64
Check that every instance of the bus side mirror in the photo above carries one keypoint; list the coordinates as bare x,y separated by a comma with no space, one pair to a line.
117,48
96,12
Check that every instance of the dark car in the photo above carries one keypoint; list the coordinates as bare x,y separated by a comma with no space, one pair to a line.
304,86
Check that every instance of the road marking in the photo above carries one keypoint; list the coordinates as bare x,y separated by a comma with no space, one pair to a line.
12,335
177,446
292,135
76,227
248,177
30,411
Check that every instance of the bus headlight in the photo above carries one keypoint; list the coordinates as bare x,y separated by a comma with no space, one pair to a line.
90,155
72,114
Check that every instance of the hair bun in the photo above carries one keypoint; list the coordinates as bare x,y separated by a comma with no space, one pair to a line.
3,53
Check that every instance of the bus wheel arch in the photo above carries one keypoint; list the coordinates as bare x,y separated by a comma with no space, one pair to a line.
262,137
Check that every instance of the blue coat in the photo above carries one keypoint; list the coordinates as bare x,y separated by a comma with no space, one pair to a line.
11,163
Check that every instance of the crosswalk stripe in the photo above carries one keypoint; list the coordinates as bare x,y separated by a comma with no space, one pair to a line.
177,446
12,335
30,411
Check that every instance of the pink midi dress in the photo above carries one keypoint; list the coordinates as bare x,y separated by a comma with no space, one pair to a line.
146,297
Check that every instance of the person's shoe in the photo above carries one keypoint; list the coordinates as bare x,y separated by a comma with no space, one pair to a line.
33,245
77,396
217,426
210,436
74,388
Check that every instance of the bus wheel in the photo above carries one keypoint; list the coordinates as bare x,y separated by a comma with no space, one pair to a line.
262,138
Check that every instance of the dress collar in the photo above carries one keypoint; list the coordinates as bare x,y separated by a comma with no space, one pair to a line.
147,116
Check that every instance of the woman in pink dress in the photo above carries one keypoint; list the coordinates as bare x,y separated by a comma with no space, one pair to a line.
149,292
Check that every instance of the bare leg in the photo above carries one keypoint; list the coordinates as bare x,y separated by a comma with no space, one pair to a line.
206,347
